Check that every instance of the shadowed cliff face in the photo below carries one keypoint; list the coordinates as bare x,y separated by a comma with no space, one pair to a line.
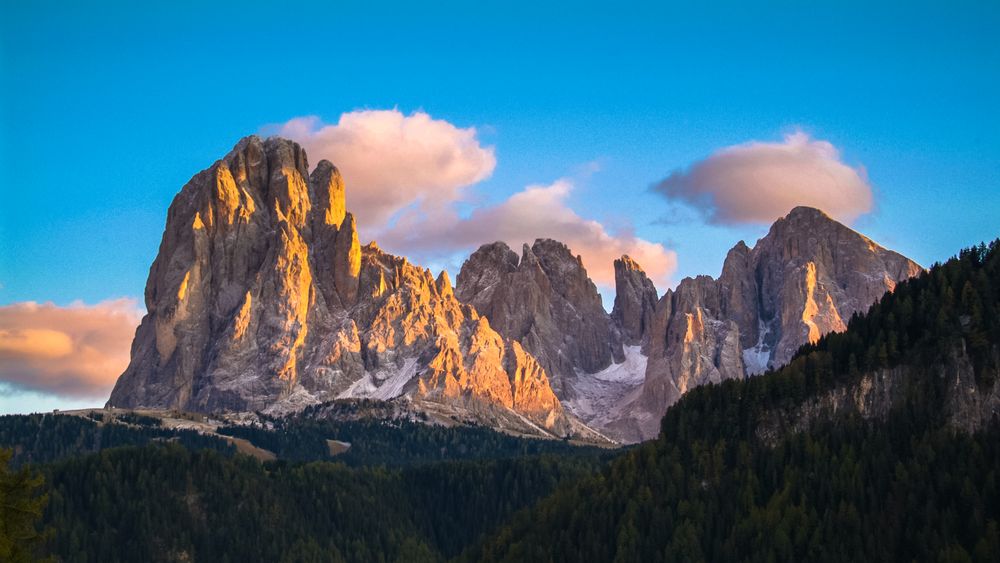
262,298
546,301
635,301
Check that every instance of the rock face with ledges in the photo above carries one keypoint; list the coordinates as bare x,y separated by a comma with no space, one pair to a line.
545,301
805,278
813,273
262,298
635,301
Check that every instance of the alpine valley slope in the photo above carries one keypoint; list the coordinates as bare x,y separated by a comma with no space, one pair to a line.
620,372
261,298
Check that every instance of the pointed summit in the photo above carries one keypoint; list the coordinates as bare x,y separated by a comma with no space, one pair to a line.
547,302
635,300
328,196
443,284
805,278
804,212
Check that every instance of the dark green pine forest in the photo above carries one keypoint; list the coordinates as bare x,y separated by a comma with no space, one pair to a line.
881,443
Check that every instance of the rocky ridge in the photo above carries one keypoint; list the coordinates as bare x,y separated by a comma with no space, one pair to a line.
262,298
805,278
545,301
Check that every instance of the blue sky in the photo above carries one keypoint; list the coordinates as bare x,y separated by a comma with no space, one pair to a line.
107,109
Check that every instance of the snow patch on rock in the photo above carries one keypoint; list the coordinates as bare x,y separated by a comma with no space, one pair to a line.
756,359
598,398
383,384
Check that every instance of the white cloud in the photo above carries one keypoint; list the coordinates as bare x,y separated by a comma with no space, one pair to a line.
535,212
76,351
759,182
391,161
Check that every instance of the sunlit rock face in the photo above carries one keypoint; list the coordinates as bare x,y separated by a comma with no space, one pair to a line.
262,298
805,278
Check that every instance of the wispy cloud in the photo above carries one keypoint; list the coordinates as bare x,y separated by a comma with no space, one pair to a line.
758,182
76,351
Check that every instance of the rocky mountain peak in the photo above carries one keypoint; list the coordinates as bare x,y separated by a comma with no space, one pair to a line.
813,273
443,284
567,275
635,300
545,301
262,298
806,213
805,278
328,194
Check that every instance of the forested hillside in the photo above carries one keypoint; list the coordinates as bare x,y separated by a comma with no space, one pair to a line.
168,503
860,483
880,443
127,488
43,438
395,442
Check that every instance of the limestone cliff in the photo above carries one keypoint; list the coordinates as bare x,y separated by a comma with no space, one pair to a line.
966,405
262,298
545,301
805,278
620,372
635,301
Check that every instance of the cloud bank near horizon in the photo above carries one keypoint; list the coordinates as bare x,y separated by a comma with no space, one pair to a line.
759,182
75,352
407,174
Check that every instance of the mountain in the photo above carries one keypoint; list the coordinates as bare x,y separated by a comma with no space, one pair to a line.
879,443
545,301
804,279
635,301
262,298
620,372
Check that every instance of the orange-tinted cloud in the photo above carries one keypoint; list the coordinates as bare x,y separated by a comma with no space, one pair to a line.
75,351
406,173
391,161
535,212
759,182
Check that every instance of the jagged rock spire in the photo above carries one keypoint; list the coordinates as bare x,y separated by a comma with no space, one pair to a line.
635,300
